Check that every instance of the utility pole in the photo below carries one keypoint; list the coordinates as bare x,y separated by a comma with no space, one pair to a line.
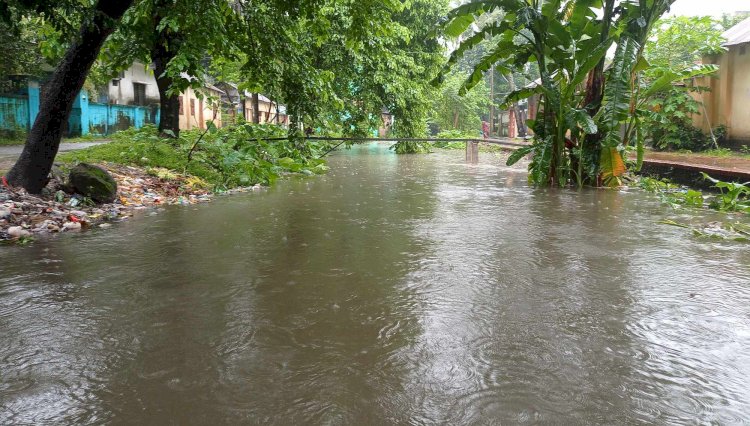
492,99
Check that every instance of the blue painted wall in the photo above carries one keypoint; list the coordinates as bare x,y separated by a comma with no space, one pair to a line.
17,113
105,119
14,113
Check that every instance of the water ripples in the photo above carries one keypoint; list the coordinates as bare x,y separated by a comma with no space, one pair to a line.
395,290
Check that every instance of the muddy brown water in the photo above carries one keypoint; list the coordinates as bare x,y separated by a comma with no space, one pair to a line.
394,290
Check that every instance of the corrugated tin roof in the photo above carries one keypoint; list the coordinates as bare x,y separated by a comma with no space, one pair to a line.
738,34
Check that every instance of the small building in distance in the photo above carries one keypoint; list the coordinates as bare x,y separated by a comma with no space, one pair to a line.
198,107
728,102
269,111
134,86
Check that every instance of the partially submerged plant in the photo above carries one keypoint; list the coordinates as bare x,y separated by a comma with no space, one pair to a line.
674,195
717,230
734,197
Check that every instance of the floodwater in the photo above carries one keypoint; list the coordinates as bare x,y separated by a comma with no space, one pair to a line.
394,290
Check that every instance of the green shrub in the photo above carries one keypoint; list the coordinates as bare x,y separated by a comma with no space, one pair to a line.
669,124
239,155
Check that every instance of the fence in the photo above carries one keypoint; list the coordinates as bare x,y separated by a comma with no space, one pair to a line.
18,112
14,114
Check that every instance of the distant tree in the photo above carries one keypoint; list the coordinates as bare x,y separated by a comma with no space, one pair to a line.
463,113
679,42
20,53
730,20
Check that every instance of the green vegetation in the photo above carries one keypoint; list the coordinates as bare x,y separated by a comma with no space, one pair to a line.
668,121
681,41
646,87
732,197
462,114
334,65
675,46
11,141
736,231
454,134
224,158
720,153
577,137
674,195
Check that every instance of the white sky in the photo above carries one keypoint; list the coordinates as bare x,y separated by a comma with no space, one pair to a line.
708,7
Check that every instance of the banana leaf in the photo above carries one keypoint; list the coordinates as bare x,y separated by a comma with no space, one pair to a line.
611,166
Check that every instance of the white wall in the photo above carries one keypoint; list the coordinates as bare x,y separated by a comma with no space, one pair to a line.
123,93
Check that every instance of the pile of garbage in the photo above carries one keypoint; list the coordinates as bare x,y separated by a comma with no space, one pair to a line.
60,209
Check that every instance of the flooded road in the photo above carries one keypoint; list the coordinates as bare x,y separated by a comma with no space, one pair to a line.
394,290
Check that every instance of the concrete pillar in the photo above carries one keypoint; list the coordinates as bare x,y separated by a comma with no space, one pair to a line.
34,100
472,152
82,102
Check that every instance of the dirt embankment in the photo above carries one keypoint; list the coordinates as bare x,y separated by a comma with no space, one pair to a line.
24,216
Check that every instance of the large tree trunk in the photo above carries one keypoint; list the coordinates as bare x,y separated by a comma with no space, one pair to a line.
169,105
256,108
33,166
165,48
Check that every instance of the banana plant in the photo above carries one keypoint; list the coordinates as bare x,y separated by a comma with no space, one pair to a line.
635,21
561,37
568,42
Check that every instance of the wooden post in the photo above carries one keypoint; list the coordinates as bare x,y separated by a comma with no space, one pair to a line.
472,152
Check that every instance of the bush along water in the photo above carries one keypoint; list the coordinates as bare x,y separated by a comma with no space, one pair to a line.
731,198
230,157
669,123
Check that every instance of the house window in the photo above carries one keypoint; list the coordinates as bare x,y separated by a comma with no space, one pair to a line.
182,108
743,49
139,93
115,82
192,107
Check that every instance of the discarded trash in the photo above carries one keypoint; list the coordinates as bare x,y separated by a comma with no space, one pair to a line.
56,210
72,226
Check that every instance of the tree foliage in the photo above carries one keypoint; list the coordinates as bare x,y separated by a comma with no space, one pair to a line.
454,112
681,41
347,62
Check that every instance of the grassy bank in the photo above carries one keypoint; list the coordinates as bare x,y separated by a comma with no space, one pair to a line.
223,158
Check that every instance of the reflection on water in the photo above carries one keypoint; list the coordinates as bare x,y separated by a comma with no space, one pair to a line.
411,289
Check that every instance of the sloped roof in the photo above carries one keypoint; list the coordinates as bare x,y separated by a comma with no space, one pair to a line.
738,34
261,97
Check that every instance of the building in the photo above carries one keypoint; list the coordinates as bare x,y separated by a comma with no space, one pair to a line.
199,107
728,102
386,123
269,111
134,86
237,103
